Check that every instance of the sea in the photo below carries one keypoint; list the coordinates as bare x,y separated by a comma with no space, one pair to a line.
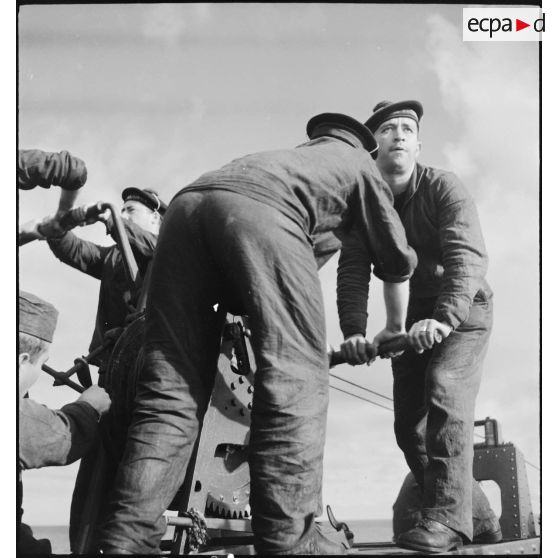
365,530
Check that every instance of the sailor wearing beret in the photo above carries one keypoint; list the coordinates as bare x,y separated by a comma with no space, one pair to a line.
435,385
142,212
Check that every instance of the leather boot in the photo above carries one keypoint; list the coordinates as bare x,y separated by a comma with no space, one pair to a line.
316,543
491,535
430,536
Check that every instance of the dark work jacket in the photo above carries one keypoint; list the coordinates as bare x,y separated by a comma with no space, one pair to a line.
48,437
106,263
442,225
327,185
41,168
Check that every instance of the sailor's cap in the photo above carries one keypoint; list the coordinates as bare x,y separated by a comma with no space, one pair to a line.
337,120
385,110
147,197
37,317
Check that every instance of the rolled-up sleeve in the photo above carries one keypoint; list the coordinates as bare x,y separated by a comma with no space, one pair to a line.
44,169
464,255
48,437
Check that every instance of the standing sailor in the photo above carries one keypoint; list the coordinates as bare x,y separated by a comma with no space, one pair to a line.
142,213
435,386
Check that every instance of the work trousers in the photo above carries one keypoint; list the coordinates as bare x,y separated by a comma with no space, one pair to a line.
434,403
407,509
214,246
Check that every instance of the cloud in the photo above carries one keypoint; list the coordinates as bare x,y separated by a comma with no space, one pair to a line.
490,94
176,23
170,22
491,90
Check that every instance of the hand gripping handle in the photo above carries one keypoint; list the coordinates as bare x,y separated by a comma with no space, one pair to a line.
395,345
78,215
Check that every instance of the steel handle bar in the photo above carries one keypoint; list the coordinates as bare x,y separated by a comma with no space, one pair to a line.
62,379
79,363
78,215
71,219
395,345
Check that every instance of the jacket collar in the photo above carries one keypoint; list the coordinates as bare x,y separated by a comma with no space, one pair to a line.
414,183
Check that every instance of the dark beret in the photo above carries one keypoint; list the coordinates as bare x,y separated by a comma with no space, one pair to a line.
37,317
386,109
148,197
336,120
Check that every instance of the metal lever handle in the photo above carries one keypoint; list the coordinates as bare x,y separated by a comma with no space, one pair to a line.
62,379
400,343
78,215
340,526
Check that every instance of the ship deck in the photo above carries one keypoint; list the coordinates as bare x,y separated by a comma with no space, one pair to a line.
511,547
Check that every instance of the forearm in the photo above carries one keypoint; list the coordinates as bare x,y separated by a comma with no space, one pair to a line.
353,280
67,200
48,437
396,299
83,421
80,254
67,249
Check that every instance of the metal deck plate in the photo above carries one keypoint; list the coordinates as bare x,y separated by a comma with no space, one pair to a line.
526,546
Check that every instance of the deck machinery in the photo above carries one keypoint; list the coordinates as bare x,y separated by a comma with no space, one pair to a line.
211,513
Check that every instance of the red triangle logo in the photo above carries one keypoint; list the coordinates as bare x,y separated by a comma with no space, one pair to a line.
519,25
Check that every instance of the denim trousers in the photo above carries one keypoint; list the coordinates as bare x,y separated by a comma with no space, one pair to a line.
216,246
434,404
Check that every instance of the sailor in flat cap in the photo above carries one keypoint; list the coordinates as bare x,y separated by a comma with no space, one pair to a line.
244,235
142,212
146,198
48,437
435,385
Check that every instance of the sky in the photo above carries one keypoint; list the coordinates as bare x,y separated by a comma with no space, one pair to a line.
153,95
